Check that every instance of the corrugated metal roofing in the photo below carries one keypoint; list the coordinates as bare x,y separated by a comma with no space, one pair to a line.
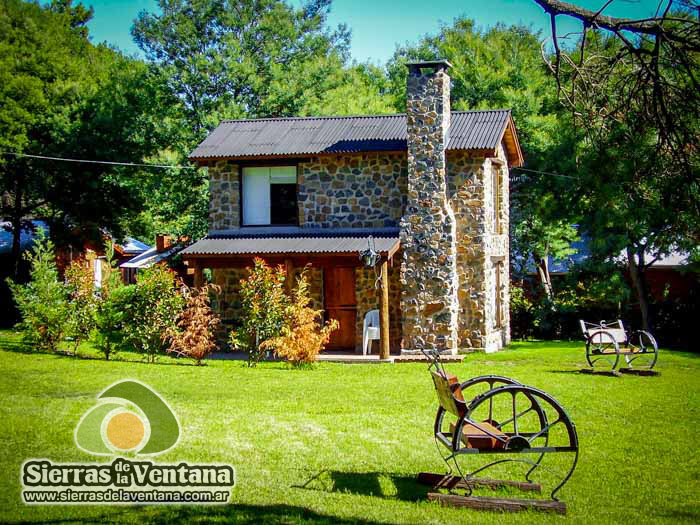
296,240
313,135
150,257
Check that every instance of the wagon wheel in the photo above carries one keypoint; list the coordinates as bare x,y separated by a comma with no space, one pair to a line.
602,350
645,354
492,382
530,415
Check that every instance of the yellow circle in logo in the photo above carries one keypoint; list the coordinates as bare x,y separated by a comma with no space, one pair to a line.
125,430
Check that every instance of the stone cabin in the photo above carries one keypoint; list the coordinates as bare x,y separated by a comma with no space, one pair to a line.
427,189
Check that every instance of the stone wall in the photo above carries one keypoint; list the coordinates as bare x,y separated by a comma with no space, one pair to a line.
368,298
228,303
428,228
482,250
365,190
224,195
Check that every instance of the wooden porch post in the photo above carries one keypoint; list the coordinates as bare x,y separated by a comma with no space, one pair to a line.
198,275
384,313
289,267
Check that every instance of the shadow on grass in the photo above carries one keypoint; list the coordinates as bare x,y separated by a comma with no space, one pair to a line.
238,513
378,484
21,347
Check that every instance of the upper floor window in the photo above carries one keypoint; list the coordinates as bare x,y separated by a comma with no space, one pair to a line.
269,195
496,196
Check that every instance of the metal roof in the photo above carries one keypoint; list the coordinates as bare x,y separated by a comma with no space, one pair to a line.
480,130
295,240
150,257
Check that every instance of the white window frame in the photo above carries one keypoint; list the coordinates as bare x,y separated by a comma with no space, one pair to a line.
255,191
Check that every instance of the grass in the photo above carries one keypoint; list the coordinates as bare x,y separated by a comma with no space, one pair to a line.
343,443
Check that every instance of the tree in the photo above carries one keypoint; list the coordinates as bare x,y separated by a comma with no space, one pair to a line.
226,59
60,96
631,87
43,301
501,67
194,335
263,304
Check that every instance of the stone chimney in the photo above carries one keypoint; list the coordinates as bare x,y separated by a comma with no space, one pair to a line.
429,301
163,242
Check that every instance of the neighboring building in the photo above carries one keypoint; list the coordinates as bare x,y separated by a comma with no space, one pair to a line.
430,187
668,277
163,252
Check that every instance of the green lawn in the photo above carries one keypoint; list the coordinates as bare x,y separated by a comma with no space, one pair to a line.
362,432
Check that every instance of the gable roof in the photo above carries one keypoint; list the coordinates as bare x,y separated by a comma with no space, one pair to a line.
295,136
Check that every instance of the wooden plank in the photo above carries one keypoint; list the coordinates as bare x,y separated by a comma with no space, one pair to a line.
640,372
443,481
613,373
497,504
384,313
341,305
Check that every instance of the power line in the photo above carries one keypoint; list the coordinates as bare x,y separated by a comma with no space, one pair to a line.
133,164
547,173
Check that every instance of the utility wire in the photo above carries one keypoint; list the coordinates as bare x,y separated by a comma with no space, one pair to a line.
133,164
167,166
547,173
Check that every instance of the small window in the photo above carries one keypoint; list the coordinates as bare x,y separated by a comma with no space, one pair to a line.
498,266
269,196
496,188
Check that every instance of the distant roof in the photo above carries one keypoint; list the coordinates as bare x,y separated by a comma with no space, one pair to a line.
150,257
26,236
131,246
469,130
294,240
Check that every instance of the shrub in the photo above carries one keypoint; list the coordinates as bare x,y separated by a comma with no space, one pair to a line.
83,301
521,314
194,333
43,301
264,302
108,313
151,307
302,336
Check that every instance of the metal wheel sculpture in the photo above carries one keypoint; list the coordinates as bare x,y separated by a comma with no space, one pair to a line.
506,422
606,342
602,350
647,351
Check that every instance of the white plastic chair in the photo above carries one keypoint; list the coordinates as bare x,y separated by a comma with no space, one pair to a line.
370,330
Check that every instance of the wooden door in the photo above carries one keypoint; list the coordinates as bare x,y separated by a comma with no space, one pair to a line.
341,305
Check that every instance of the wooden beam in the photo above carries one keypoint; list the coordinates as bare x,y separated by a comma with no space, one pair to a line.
198,275
445,481
384,313
497,504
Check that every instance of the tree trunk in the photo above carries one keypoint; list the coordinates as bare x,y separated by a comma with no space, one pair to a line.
545,278
16,231
636,269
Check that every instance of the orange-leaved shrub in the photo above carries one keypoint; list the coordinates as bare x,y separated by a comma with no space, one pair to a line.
303,335
194,332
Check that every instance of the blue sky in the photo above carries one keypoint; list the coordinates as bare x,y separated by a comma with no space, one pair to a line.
377,25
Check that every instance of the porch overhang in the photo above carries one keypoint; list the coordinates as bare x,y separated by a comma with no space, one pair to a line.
293,242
